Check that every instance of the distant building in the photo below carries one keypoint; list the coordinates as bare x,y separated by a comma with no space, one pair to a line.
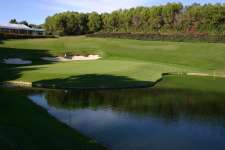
20,29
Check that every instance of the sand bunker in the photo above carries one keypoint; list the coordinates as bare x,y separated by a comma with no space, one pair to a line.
74,58
16,61
55,59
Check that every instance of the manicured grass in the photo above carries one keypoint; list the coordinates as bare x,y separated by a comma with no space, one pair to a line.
134,60
192,83
197,55
23,125
102,73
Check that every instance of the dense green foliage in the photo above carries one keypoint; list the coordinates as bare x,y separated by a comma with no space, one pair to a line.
177,37
24,22
69,23
169,18
22,36
13,21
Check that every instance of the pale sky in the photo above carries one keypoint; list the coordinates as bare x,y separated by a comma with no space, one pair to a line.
35,11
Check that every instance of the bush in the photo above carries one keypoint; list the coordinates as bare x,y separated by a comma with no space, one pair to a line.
22,36
178,37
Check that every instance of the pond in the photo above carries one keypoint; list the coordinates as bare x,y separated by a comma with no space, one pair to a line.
141,119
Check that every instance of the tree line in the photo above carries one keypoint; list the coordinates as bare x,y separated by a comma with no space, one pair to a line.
169,18
24,22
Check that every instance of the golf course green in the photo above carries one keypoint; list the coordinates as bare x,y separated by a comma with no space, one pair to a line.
124,63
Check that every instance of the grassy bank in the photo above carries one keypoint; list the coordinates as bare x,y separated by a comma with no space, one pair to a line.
124,63
192,83
25,126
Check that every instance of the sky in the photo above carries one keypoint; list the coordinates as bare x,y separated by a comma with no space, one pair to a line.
35,11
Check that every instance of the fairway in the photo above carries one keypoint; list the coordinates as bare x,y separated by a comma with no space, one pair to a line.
124,62
107,75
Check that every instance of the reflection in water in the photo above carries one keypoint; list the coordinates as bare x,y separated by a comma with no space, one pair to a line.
141,119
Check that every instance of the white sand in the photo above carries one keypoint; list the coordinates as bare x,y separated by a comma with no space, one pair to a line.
89,57
55,59
74,58
197,74
16,61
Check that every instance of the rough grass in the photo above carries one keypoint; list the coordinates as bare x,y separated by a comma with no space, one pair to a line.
26,126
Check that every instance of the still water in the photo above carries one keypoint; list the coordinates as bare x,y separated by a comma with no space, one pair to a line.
142,119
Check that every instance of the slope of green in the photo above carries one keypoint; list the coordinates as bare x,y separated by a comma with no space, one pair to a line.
192,83
102,73
134,60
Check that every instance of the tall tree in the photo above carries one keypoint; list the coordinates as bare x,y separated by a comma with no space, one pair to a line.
172,17
13,21
94,22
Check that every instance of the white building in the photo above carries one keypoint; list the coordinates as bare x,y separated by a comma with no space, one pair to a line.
20,29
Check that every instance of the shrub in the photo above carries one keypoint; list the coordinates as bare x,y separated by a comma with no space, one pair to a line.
179,37
22,36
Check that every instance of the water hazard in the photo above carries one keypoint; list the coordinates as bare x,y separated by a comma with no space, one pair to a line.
141,119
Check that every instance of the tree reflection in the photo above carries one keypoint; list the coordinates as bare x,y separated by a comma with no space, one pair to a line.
170,105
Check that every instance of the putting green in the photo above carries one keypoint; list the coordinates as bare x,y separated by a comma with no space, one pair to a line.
106,73
124,63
